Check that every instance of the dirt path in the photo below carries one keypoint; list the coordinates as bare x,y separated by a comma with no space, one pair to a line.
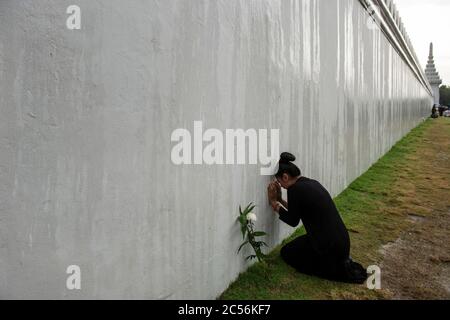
417,265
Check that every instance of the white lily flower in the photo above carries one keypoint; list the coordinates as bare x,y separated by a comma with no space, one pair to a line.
251,217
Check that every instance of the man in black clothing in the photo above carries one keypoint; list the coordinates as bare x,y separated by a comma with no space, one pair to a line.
325,249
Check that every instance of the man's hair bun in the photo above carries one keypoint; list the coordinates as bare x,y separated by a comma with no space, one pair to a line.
287,157
286,166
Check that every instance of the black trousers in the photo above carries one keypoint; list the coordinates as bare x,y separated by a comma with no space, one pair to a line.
301,255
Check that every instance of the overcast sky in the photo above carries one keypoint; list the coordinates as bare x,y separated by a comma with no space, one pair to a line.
429,21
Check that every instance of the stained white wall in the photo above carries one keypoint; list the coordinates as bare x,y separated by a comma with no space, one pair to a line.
86,119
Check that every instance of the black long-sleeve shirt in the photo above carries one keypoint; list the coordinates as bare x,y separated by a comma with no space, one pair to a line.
311,203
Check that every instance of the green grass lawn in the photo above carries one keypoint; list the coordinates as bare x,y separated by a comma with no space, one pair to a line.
374,208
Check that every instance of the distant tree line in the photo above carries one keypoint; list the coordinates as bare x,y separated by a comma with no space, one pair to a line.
445,95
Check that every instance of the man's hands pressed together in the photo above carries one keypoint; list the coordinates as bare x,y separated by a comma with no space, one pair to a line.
274,195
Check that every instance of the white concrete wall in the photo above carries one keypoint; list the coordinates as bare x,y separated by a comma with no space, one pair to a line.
87,115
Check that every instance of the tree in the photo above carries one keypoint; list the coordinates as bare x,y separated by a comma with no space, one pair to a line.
445,95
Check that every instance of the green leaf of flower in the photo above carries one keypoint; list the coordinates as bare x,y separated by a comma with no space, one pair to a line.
249,208
241,246
261,243
259,234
